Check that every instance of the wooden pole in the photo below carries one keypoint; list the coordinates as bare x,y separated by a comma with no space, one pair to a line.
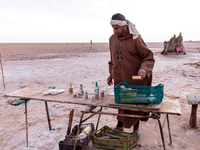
70,121
98,119
2,73
194,100
26,124
193,116
90,44
78,131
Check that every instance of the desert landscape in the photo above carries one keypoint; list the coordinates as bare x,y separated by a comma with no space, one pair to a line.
58,64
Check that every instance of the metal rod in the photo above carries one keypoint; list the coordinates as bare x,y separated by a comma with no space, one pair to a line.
170,138
48,116
70,121
161,132
86,111
26,124
2,73
98,119
79,126
164,121
88,118
124,115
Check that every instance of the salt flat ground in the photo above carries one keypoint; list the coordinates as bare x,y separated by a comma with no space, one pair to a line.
51,64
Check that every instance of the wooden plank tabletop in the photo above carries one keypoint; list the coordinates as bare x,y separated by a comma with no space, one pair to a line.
135,106
36,93
170,107
193,98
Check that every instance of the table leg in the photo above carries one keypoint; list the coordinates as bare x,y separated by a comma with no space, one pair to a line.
170,138
193,116
98,119
167,117
48,116
164,121
26,124
161,132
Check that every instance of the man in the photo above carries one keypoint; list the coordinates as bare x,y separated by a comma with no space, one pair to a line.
178,49
129,57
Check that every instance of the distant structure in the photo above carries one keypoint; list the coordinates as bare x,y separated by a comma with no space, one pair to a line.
90,44
170,46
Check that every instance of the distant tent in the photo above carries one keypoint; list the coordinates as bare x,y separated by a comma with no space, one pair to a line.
170,46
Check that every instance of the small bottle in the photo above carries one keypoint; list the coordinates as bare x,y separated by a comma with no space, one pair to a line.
97,95
80,95
86,95
92,99
81,89
96,88
86,132
75,95
70,89
102,93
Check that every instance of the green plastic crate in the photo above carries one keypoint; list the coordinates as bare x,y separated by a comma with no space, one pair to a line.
114,139
138,93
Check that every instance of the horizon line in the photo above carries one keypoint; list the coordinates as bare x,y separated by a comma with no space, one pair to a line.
76,42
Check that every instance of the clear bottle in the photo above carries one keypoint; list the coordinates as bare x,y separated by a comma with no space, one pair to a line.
102,93
75,95
70,89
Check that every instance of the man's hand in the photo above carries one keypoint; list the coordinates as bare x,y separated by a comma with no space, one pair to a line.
142,73
109,80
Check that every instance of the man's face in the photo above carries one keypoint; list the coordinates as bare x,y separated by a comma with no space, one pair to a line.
118,30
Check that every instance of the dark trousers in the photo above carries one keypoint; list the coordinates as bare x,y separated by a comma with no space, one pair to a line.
136,126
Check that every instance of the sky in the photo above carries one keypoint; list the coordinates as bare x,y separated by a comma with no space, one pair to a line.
65,21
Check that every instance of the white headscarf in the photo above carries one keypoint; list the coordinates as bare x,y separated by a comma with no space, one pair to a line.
131,26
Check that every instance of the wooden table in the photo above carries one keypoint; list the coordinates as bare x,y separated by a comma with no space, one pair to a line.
193,100
168,107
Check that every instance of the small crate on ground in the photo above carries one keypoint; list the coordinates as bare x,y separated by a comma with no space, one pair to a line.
69,141
62,146
114,139
138,93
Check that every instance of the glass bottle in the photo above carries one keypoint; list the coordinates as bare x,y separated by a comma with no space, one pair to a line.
70,89
97,95
81,89
86,95
96,88
102,93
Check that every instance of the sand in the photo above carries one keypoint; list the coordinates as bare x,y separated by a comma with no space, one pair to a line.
46,65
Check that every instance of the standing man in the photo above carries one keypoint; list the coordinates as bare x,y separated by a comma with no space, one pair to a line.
130,56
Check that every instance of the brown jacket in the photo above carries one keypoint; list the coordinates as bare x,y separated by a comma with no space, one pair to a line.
128,55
